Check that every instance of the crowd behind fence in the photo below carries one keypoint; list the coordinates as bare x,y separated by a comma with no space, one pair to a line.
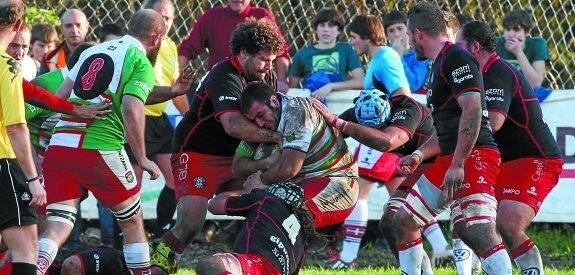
555,20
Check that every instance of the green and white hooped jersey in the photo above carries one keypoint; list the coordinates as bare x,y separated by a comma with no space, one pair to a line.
107,71
40,121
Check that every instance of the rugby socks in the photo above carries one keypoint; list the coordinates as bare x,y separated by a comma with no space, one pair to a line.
175,244
434,236
496,260
137,256
411,256
353,229
426,265
47,251
166,207
462,256
528,258
24,269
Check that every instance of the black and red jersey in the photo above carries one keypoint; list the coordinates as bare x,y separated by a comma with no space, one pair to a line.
270,229
455,72
219,91
524,133
410,116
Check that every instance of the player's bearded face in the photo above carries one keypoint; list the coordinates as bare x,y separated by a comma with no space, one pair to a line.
265,115
416,45
258,65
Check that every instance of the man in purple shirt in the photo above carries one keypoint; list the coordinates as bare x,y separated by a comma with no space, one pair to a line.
213,31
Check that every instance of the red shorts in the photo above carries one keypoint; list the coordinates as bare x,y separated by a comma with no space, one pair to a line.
330,200
70,172
203,175
481,169
247,264
383,170
528,180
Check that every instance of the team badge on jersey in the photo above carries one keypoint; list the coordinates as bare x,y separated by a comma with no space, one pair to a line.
291,137
199,182
130,176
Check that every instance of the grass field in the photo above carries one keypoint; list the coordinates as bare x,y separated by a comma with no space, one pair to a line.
555,241
389,271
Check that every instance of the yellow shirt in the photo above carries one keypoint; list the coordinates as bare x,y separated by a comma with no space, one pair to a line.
11,101
166,71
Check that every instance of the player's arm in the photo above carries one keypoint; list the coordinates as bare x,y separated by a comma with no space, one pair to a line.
237,125
242,166
285,168
217,205
181,87
39,97
134,123
496,119
244,163
384,140
65,88
469,125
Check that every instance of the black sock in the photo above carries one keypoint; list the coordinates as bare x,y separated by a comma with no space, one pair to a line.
23,269
165,210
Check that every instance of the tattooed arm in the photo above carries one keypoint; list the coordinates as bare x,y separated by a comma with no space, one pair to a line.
469,125
238,126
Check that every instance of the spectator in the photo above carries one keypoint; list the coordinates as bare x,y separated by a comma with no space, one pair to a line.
43,40
416,71
110,31
213,31
327,65
18,49
74,26
463,18
526,53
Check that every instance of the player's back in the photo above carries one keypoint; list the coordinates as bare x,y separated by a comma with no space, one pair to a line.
304,129
524,133
107,71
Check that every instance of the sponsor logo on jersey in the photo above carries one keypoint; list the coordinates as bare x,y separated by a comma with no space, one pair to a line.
458,74
291,137
532,191
182,168
222,98
399,115
144,86
511,191
538,170
494,92
97,259
481,180
25,196
199,182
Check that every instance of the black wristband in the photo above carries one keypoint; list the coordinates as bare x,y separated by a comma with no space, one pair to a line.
33,179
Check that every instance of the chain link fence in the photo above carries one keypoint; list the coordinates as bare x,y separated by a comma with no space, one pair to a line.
555,20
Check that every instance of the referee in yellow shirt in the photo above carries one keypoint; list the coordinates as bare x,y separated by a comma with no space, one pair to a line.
159,131
20,188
